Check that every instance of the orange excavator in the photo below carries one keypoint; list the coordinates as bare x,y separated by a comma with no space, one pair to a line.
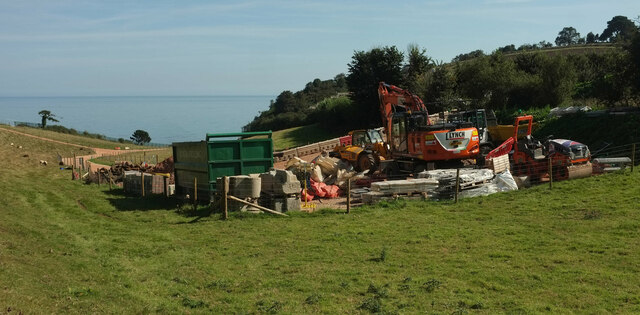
416,143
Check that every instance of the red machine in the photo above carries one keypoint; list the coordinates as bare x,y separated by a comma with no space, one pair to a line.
569,159
414,140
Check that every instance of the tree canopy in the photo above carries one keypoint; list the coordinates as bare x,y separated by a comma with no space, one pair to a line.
140,137
46,115
568,36
618,28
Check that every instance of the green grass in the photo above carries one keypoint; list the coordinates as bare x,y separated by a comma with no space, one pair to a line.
298,136
151,157
75,139
66,247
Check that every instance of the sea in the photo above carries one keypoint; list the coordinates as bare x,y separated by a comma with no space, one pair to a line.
167,119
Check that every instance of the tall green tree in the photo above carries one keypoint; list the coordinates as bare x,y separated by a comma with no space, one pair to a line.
567,36
418,63
618,28
558,79
46,116
366,70
140,137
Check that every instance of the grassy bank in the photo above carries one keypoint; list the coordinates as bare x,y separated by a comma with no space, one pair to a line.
75,139
66,247
298,136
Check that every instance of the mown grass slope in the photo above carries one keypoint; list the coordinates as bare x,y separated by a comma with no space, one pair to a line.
66,247
75,139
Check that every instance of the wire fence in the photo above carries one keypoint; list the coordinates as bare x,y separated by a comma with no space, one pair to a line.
284,193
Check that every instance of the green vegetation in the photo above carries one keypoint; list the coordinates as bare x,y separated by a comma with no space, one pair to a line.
596,132
140,137
66,247
597,69
85,140
297,136
46,116
292,109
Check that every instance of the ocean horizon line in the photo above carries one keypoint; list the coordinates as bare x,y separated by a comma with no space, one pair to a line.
141,96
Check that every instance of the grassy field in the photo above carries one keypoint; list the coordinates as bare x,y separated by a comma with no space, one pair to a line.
75,139
297,136
66,247
151,157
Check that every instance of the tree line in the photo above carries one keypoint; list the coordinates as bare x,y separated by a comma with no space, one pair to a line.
502,81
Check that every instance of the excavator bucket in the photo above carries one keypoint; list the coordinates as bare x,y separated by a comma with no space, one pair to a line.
580,170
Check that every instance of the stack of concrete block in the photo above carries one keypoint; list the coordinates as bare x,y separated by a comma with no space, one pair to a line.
280,191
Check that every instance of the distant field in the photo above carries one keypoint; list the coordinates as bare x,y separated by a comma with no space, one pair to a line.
298,136
573,49
75,139
66,247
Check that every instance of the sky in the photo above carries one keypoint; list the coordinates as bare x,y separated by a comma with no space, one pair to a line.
157,47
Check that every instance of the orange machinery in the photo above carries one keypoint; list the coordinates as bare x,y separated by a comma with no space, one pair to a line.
569,159
417,144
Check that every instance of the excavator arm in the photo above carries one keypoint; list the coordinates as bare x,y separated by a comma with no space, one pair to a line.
394,99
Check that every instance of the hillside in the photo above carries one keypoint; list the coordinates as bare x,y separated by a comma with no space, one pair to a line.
601,48
66,247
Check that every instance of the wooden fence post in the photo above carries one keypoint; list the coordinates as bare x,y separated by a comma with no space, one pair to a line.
633,156
225,192
550,173
165,187
348,195
195,190
457,184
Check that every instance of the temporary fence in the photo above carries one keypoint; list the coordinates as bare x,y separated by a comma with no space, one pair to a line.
537,170
135,157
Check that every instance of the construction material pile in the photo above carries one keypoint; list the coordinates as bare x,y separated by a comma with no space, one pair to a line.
165,166
439,185
421,188
326,177
278,190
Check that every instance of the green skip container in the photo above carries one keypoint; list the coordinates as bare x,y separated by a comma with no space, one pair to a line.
225,154
248,153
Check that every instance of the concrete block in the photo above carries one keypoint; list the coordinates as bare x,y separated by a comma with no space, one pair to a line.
282,204
280,182
242,186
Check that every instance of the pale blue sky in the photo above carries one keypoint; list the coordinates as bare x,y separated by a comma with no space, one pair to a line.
66,48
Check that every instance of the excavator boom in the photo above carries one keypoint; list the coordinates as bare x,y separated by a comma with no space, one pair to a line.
411,134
